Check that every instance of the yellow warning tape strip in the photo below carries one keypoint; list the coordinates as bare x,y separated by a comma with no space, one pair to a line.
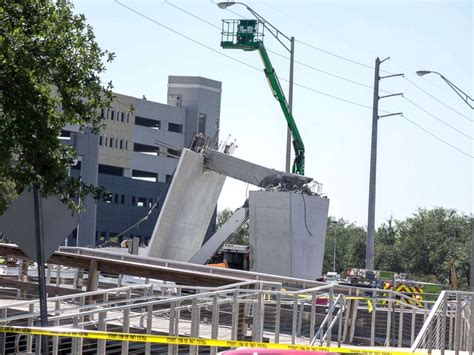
161,339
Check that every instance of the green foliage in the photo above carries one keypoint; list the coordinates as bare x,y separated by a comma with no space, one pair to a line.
420,245
430,238
350,245
50,67
241,235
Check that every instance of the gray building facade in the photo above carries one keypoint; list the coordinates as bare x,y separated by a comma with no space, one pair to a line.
137,152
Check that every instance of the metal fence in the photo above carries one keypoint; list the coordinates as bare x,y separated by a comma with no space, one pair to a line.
448,326
252,310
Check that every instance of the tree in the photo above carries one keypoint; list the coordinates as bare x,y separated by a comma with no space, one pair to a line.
387,253
49,78
350,245
241,235
430,238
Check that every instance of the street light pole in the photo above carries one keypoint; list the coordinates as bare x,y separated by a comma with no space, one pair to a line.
277,34
334,247
465,97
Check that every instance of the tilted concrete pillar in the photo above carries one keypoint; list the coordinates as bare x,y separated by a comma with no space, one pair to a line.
187,210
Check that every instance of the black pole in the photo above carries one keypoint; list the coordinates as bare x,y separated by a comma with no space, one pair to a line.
41,273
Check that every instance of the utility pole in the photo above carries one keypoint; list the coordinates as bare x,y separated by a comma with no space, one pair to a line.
370,248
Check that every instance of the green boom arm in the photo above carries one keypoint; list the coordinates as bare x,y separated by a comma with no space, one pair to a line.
298,146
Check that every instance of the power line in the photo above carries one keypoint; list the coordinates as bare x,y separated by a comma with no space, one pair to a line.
437,138
235,59
438,100
186,37
276,53
437,118
360,64
335,55
326,72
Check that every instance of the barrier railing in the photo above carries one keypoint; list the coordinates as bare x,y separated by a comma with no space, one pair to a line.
448,326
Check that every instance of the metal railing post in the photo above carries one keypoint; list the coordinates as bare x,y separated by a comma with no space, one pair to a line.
294,320
235,315
312,320
457,324
443,325
300,319
373,317
149,320
102,326
389,319
330,315
57,307
277,317
171,325
195,317
126,323
31,322
215,322
400,324
355,307
3,317
258,318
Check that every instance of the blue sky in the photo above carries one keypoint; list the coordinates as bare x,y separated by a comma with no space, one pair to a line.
414,168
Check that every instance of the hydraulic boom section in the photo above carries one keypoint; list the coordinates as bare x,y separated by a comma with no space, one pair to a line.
248,36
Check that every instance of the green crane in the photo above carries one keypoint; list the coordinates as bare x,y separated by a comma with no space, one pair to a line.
246,35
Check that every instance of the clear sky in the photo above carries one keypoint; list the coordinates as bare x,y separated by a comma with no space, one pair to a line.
414,168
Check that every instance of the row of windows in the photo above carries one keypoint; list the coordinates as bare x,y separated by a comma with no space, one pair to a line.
115,115
156,124
102,237
112,142
134,201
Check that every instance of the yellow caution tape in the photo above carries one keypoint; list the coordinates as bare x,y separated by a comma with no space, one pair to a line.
162,339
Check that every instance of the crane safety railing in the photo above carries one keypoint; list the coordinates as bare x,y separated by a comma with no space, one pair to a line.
448,326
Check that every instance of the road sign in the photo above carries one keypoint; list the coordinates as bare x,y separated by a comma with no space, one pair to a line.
18,224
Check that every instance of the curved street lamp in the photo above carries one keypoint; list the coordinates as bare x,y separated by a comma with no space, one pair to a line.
465,97
291,49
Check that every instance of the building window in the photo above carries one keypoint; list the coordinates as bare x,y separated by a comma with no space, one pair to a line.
100,140
112,115
102,113
141,202
122,199
111,142
126,145
172,152
116,143
122,114
202,123
128,117
134,200
147,122
121,144
174,127
106,141
116,198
